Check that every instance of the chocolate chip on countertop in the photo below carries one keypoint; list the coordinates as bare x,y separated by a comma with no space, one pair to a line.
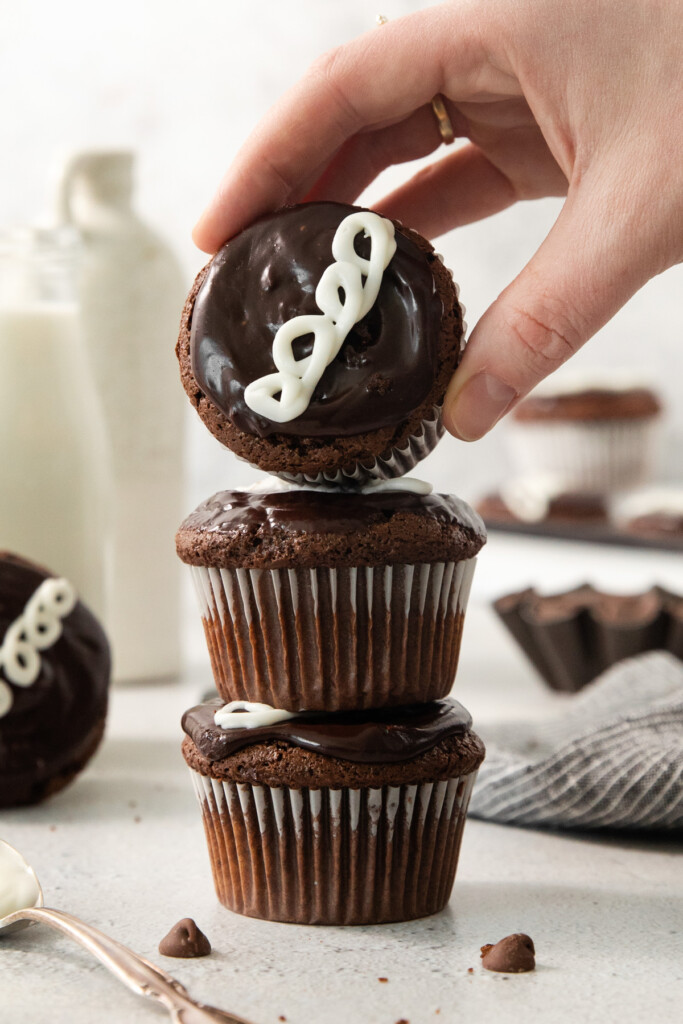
185,940
514,954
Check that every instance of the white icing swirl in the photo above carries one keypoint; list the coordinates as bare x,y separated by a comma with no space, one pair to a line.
529,497
243,714
360,281
39,626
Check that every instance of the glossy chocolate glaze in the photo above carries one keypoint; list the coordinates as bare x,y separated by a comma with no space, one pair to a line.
268,274
318,511
45,730
384,736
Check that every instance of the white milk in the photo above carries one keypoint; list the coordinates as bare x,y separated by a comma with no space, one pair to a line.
53,455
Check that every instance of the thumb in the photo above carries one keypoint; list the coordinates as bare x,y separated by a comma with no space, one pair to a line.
591,262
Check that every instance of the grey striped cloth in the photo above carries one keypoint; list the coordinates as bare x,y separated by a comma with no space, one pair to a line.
614,759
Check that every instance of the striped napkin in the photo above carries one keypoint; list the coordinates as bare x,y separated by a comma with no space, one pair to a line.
614,759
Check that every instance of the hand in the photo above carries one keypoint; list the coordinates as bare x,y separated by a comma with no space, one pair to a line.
575,97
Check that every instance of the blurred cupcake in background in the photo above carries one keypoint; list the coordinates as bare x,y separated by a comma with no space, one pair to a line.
543,498
598,433
655,513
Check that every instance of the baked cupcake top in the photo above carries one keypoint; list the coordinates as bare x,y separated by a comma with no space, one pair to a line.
54,676
317,748
593,397
310,528
383,373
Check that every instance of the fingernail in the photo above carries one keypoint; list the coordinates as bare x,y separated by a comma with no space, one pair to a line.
478,406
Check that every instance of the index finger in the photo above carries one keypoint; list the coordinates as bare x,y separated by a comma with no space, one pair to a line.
379,76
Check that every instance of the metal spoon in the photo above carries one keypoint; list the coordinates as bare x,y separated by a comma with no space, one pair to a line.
134,971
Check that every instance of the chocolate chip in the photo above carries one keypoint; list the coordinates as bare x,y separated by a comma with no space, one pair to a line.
512,955
185,940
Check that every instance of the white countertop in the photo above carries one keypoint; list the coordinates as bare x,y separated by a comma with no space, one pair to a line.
123,848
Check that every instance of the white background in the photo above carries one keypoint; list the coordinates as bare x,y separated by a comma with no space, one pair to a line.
182,84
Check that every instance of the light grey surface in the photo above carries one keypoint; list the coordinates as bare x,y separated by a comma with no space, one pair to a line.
123,849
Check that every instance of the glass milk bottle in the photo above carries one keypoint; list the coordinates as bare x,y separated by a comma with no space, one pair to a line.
53,452
132,294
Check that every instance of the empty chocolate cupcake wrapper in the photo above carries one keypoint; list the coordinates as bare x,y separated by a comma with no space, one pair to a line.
334,639
571,646
390,464
334,856
595,456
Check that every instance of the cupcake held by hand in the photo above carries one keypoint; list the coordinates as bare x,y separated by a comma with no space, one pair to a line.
319,342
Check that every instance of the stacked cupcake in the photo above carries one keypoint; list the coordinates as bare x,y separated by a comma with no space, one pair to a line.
575,443
333,773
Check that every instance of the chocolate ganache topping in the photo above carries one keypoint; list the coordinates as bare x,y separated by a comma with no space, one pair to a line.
313,511
383,736
267,275
44,730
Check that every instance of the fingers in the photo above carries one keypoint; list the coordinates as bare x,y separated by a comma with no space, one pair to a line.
367,154
592,261
461,188
378,78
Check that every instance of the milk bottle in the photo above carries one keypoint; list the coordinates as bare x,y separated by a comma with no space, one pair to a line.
54,468
132,294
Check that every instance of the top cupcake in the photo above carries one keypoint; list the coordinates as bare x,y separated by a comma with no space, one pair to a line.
319,342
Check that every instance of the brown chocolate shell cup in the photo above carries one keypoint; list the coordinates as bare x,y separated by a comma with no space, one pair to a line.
571,638
377,408
293,626
341,853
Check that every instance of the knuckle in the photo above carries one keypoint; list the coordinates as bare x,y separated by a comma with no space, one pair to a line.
549,332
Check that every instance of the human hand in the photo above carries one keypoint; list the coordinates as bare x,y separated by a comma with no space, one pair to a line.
575,97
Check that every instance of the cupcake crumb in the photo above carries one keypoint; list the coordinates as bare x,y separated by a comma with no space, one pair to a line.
470,970
282,1017
384,980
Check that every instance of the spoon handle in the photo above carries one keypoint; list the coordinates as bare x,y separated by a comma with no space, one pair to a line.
133,970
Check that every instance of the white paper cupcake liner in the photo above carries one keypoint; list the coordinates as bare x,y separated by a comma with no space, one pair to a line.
334,856
334,639
597,456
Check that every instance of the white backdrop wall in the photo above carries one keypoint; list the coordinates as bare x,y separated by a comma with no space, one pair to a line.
181,84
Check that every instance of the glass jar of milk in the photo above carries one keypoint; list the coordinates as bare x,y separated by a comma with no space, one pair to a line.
54,462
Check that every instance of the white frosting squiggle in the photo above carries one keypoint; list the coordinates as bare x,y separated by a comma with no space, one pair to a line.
297,379
39,626
249,715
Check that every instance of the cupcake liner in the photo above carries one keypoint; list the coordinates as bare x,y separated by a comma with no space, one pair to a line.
595,456
334,856
334,639
570,649
391,463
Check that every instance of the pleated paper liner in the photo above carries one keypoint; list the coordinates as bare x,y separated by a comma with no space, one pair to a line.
334,856
601,457
394,462
334,639
572,637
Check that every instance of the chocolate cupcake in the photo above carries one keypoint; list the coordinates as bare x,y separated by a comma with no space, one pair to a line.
54,676
369,332
354,818
322,600
542,500
598,436
654,514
